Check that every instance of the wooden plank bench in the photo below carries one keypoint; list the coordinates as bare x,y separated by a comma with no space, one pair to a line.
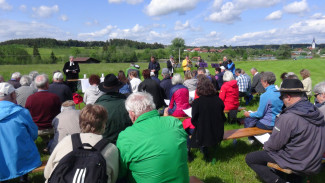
41,168
277,167
244,132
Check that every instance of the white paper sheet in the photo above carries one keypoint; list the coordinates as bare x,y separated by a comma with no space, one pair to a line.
263,138
192,95
188,112
167,102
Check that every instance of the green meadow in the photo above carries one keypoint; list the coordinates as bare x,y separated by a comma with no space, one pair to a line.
227,162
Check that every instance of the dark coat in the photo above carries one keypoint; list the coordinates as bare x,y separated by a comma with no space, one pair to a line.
166,85
154,65
151,86
61,90
257,86
170,66
118,117
208,119
70,74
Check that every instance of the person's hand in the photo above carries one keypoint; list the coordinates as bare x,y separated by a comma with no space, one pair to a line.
153,70
246,114
166,112
67,70
74,71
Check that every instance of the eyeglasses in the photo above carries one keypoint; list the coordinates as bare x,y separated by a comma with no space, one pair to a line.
316,94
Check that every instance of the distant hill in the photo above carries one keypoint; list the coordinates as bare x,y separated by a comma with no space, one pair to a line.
48,42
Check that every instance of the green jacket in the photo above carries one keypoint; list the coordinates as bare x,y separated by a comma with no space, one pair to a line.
153,150
118,117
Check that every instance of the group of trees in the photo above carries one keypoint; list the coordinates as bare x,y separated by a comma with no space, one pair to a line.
122,50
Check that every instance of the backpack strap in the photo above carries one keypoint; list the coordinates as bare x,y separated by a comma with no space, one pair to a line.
76,141
101,144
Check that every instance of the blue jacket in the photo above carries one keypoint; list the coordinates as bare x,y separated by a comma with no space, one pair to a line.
19,154
270,106
166,85
231,67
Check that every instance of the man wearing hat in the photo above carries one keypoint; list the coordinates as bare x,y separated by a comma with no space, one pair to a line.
59,88
114,103
298,138
19,154
71,70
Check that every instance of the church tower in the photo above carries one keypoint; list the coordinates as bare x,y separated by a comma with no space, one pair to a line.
313,44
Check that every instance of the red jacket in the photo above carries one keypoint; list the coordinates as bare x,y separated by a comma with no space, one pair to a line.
229,94
179,101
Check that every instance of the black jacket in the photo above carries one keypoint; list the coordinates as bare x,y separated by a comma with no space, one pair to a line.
166,85
257,86
151,86
154,65
69,74
208,119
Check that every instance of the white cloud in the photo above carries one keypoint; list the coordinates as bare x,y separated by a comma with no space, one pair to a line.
100,33
299,32
229,12
213,38
4,5
317,16
91,23
64,18
10,29
164,7
127,1
276,15
45,11
180,26
23,7
296,7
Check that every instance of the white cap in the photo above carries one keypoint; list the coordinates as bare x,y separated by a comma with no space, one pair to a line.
223,68
6,89
58,76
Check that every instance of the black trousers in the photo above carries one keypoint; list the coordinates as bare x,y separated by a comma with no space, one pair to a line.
258,162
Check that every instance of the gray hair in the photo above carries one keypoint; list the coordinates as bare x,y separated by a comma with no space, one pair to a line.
16,75
228,76
269,77
33,75
25,80
177,79
254,69
320,87
140,103
41,81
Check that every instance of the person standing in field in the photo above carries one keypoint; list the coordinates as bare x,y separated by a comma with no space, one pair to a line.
71,70
186,64
154,66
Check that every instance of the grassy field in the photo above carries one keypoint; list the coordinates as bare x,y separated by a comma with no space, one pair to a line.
227,162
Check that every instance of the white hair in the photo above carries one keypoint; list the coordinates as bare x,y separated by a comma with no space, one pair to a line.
16,75
58,76
41,80
320,88
177,79
228,76
140,103
25,80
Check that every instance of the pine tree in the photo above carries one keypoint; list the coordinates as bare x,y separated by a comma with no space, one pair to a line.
53,58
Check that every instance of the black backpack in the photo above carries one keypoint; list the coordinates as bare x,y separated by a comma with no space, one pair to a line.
82,165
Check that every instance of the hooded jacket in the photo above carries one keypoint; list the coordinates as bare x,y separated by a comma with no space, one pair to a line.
18,154
92,94
229,94
179,100
298,138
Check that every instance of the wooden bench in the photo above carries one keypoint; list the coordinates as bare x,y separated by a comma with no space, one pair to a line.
41,168
277,167
244,132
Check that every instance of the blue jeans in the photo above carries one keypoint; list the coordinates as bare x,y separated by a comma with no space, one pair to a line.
252,122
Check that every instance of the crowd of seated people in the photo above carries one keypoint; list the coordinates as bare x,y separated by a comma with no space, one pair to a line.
125,111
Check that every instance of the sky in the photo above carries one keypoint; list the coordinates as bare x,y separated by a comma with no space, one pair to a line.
198,22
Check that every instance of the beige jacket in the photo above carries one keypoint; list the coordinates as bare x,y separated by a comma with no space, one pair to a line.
307,86
110,153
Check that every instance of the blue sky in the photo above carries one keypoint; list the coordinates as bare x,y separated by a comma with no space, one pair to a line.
198,22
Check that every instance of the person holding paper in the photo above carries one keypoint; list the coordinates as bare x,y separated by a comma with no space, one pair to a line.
71,70
179,97
270,106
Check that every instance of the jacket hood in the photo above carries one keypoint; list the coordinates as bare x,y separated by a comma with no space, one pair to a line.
307,111
94,90
7,109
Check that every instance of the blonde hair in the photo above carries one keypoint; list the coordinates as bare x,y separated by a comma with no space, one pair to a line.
92,119
304,73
